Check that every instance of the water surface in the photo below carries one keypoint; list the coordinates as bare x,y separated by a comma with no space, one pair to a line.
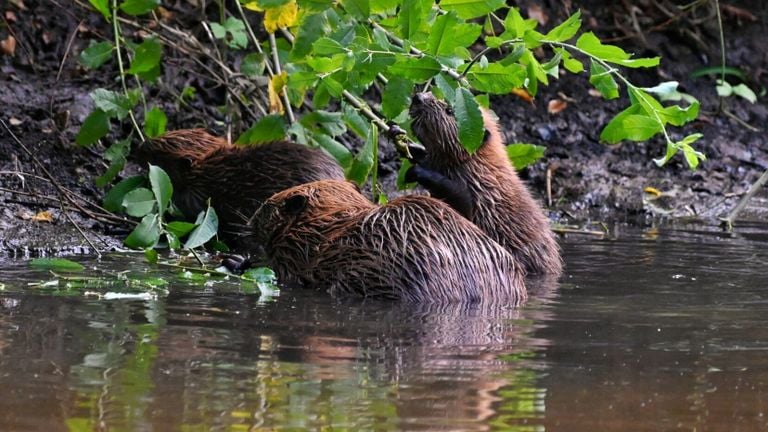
647,330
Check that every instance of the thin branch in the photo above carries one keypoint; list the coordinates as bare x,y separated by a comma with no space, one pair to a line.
278,71
116,30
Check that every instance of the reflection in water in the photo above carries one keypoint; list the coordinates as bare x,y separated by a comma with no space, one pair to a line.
649,331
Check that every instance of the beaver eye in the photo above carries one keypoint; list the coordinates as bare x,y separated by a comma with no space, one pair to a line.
449,110
295,204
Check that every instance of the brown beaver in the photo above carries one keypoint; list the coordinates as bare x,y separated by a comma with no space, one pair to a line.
237,179
482,186
327,235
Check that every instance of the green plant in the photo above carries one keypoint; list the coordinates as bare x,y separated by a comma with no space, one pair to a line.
341,55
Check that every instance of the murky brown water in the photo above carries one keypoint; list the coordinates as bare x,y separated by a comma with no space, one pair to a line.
648,331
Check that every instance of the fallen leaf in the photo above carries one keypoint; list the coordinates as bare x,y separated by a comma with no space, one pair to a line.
19,4
14,121
10,16
565,97
738,12
652,191
165,14
523,94
281,16
539,15
44,216
594,93
556,105
47,37
8,46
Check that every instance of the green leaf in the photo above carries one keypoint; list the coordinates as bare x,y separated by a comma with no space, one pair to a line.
151,256
360,9
678,116
315,5
180,228
207,225
326,65
640,62
469,120
232,31
312,27
139,202
522,155
146,56
328,46
112,171
113,200
96,54
334,148
268,129
356,122
260,274
60,264
253,65
566,30
724,88
103,7
396,97
95,127
364,160
112,103
173,240
146,234
497,78
328,121
448,33
745,92
447,87
590,44
603,81
405,165
155,121
573,65
467,9
139,7
410,19
639,127
416,69
161,187
614,130
719,70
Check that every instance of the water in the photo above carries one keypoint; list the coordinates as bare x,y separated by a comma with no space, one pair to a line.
648,330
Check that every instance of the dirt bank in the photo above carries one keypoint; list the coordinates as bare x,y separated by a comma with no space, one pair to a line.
45,108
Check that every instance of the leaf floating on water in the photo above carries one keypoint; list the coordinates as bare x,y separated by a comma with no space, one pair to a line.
56,264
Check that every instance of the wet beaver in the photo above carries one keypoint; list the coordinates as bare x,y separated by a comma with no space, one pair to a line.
327,235
482,186
237,179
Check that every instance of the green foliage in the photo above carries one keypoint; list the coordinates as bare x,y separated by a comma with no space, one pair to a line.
59,264
232,31
523,155
338,52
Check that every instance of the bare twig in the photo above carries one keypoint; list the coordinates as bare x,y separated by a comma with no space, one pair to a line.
731,218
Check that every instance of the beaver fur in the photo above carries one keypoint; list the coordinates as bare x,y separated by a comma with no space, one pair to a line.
327,235
237,179
499,203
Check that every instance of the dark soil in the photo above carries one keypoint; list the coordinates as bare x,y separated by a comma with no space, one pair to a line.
45,109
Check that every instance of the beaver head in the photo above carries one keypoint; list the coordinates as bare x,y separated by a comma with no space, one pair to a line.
434,124
294,222
177,152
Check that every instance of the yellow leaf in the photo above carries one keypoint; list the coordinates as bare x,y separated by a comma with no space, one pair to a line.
652,191
254,6
281,16
44,216
276,85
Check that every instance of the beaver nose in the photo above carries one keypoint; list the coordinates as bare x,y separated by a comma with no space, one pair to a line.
421,98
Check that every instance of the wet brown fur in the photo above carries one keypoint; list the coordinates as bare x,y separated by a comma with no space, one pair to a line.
328,236
503,207
237,179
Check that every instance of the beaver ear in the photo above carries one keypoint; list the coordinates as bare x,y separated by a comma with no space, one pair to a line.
295,204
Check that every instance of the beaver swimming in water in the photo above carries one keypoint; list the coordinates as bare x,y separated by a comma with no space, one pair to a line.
327,235
483,186
237,179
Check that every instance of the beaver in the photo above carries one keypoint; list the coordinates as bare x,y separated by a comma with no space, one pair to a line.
483,186
327,235
237,179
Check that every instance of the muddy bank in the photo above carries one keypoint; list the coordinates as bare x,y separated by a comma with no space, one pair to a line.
589,180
